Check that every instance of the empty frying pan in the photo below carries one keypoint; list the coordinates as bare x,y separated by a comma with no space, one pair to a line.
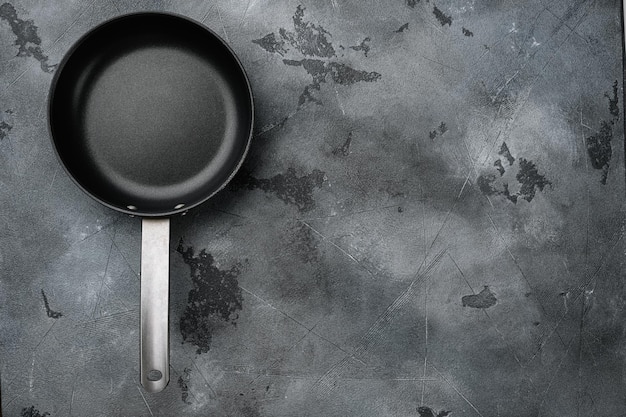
151,114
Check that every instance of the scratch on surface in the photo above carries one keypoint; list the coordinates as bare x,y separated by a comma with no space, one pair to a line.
249,370
445,220
425,344
572,30
555,374
96,232
580,352
325,239
104,320
518,267
44,337
325,384
424,239
73,392
245,12
458,392
469,156
581,291
118,10
207,13
32,368
504,339
441,64
219,14
585,126
54,176
106,268
31,375
121,253
272,366
65,32
352,213
48,49
589,349
462,274
28,67
490,147
588,219
311,330
343,112
506,84
144,400
206,381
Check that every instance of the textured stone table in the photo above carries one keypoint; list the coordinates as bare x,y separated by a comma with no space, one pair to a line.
430,221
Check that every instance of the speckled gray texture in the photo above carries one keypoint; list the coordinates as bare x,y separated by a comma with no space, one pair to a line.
430,221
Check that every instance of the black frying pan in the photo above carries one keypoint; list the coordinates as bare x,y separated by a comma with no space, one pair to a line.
151,114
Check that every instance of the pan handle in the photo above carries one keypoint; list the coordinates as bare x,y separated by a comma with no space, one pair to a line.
155,239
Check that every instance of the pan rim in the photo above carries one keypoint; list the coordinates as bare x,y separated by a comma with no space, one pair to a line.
77,44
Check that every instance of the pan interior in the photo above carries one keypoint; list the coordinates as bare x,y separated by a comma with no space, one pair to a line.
151,113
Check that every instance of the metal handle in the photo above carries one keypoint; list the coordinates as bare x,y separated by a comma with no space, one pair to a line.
155,239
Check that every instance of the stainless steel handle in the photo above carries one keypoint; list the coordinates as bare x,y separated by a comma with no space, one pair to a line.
155,254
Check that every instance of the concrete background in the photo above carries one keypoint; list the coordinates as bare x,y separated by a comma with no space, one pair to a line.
430,221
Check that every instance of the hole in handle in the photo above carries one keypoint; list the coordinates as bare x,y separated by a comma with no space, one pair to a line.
154,375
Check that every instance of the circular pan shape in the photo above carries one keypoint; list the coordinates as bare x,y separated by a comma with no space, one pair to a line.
150,113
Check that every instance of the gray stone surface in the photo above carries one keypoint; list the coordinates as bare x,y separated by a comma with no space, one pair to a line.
430,221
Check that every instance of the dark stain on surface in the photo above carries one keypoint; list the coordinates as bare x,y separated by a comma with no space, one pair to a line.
402,28
441,129
307,96
272,44
504,151
214,299
310,40
505,192
467,32
32,412
344,150
319,70
441,17
485,184
182,384
600,150
307,38
483,299
429,412
289,187
613,102
499,167
530,180
363,46
28,41
412,3
5,128
51,313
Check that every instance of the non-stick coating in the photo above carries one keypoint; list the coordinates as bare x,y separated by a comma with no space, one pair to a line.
151,113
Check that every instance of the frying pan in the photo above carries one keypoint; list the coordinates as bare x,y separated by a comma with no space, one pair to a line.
151,114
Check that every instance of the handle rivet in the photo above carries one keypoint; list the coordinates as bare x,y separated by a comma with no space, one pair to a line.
154,375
